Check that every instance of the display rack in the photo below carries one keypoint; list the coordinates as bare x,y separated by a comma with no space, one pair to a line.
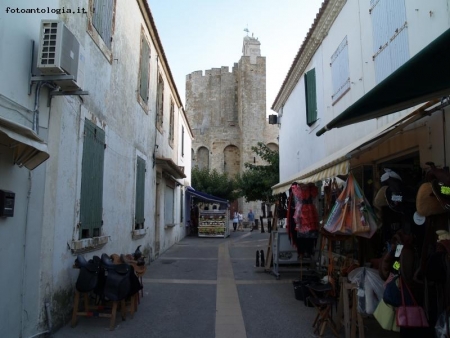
213,223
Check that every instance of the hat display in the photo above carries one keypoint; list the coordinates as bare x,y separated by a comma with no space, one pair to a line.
394,200
442,192
380,199
426,202
388,173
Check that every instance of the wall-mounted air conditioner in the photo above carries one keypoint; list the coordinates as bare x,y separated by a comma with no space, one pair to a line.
60,53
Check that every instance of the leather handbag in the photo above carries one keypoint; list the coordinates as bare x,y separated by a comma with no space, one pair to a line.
410,315
385,316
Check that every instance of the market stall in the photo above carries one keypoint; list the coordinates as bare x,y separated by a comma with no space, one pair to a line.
206,215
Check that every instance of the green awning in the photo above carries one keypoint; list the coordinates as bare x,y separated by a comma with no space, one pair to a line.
424,77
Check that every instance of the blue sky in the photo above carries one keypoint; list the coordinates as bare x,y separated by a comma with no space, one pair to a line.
205,34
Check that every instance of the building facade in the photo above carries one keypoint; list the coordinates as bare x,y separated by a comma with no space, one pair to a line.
93,160
356,66
227,112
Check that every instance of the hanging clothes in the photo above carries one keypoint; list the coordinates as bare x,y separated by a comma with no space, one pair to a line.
306,216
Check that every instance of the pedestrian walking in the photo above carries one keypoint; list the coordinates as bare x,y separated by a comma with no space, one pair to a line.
235,220
240,221
251,219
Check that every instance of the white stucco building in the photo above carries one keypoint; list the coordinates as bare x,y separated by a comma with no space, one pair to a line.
96,168
362,67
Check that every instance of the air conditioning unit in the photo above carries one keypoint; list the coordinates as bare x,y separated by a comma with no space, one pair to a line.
60,53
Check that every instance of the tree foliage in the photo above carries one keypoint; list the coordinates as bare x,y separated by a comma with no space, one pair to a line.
256,182
214,183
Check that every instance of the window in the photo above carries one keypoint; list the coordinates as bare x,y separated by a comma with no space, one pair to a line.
182,141
390,36
101,24
139,218
340,71
171,124
144,69
310,95
168,204
91,200
160,103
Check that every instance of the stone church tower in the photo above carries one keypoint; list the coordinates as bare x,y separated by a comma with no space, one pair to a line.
227,113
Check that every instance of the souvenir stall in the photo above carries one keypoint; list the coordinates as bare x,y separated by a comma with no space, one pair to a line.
206,215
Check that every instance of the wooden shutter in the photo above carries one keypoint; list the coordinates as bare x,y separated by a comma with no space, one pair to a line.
310,93
91,200
340,71
390,36
140,194
102,19
144,71
168,205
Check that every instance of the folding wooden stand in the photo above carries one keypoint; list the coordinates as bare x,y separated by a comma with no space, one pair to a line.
102,310
349,317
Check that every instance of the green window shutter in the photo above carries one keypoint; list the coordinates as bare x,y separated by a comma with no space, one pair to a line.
140,194
145,56
310,94
91,200
102,19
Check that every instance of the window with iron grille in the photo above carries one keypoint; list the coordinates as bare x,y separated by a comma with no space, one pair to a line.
160,103
310,96
340,71
91,200
103,18
139,218
171,124
144,69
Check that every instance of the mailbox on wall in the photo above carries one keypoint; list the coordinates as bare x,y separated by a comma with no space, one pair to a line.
7,203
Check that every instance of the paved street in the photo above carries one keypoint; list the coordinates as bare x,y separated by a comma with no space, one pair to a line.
210,288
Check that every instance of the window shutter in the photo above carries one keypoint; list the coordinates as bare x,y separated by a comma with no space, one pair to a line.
340,71
140,193
168,205
310,93
145,63
91,200
102,19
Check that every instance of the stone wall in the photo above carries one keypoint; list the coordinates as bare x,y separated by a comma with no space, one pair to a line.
227,113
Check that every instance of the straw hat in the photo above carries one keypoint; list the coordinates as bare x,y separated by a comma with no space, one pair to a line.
426,202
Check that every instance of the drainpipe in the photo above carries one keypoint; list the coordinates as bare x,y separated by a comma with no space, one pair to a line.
36,104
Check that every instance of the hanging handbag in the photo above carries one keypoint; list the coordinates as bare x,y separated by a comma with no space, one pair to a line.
385,316
410,315
352,213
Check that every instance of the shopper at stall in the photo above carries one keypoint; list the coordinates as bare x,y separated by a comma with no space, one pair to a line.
251,219
235,220
240,221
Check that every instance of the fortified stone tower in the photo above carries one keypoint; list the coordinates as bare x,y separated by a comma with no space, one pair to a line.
227,113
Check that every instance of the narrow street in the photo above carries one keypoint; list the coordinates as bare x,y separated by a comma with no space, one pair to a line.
210,288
